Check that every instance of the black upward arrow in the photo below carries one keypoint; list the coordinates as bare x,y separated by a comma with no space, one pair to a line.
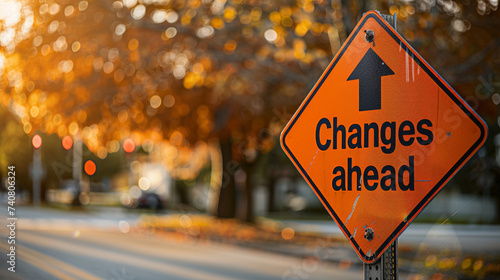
369,72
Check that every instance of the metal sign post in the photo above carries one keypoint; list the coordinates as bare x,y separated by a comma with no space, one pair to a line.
386,267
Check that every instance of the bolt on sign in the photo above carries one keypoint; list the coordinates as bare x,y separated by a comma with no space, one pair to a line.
379,135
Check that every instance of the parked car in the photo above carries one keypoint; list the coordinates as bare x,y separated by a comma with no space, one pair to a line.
147,200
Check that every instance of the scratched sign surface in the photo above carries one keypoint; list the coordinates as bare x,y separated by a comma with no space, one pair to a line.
379,136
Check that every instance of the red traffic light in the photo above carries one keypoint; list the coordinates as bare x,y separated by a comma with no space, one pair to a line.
36,141
67,142
90,167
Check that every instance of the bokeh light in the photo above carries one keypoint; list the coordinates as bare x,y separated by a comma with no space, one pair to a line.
144,183
67,142
124,226
128,145
287,233
90,167
36,141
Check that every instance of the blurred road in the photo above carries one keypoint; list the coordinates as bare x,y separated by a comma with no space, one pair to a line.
99,243
72,245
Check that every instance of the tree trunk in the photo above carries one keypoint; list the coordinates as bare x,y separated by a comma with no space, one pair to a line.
226,204
271,186
347,16
248,215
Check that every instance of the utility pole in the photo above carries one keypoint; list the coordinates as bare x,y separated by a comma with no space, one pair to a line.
37,169
77,167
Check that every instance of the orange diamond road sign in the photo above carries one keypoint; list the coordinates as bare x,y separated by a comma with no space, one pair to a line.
379,135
